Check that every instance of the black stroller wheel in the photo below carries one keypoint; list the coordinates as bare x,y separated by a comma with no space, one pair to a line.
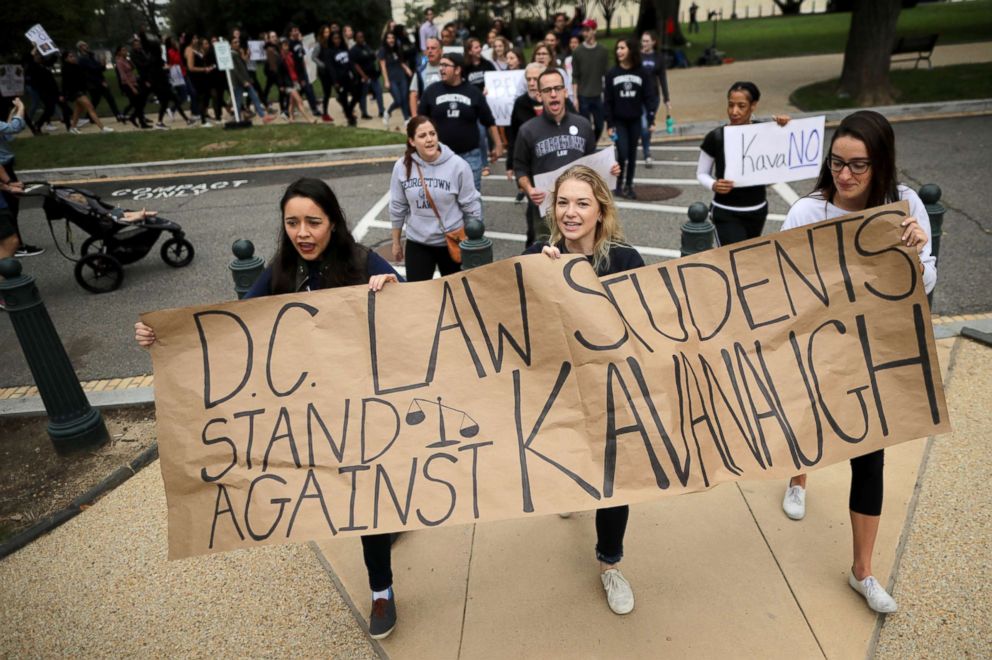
177,252
99,273
93,245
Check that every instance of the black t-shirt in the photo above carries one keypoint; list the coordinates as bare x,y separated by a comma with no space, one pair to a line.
741,197
455,110
622,257
364,57
476,73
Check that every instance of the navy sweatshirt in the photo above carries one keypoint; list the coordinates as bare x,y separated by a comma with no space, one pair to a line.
628,93
263,285
455,111
622,257
654,64
544,145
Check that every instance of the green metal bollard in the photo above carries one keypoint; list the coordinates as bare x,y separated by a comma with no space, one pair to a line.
246,267
697,234
73,424
477,250
930,196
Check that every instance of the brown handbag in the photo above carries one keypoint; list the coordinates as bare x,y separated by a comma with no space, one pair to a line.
454,238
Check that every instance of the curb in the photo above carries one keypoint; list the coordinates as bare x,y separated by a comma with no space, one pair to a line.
79,504
386,153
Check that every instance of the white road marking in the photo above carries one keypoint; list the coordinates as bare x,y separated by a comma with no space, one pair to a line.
786,192
363,225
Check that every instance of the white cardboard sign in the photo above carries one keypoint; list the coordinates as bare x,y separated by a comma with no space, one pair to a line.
502,89
602,162
766,153
41,40
257,50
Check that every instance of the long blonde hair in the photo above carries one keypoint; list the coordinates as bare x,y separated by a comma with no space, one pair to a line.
608,230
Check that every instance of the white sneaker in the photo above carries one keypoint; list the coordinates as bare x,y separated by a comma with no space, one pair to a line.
565,514
159,126
618,592
73,130
82,121
794,503
876,595
49,127
172,115
206,124
385,120
106,129
649,162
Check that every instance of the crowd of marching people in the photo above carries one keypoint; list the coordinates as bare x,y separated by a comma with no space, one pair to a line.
574,91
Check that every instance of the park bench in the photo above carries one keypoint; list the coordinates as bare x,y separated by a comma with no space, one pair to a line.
921,46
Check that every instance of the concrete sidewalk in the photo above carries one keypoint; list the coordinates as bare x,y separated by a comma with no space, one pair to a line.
715,574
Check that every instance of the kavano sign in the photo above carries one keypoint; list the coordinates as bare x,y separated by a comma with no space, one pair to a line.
530,387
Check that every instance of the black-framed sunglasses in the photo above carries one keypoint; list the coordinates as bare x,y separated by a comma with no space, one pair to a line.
857,166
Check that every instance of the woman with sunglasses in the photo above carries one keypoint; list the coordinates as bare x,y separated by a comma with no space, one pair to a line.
859,172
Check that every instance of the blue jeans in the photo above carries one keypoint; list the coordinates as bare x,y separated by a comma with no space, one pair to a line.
645,134
375,87
239,93
474,160
593,105
483,145
399,89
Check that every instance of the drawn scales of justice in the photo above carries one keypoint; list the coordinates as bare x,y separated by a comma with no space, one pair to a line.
467,427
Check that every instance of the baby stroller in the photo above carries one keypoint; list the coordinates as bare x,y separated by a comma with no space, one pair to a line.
113,240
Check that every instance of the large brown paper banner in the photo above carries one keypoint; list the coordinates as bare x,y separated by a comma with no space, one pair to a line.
530,387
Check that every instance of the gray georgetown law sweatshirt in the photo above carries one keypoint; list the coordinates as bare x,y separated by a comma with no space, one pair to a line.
449,179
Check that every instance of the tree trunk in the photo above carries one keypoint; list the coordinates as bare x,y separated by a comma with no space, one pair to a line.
865,75
654,15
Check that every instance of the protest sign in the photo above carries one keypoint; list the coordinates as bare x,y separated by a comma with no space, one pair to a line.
601,161
222,51
502,89
11,80
41,40
256,50
530,387
309,43
766,153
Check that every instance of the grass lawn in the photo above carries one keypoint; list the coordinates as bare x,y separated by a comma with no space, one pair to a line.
815,34
63,150
944,83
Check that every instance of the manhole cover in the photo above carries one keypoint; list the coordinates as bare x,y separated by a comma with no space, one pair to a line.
652,193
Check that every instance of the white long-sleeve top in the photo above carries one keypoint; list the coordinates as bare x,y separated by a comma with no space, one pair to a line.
814,208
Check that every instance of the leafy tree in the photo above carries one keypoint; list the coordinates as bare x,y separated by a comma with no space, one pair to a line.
609,8
865,75
65,22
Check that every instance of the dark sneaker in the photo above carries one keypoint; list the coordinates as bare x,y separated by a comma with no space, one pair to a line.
628,192
383,617
28,251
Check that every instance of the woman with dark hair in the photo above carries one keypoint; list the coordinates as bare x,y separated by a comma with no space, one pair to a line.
317,251
628,92
131,87
292,86
396,76
584,220
738,213
323,57
859,172
199,73
431,191
74,91
654,64
344,77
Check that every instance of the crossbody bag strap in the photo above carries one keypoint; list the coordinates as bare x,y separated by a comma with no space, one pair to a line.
430,200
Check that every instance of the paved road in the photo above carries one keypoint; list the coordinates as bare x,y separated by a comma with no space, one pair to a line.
216,210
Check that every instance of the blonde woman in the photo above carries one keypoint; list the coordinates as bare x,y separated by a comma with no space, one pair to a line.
583,220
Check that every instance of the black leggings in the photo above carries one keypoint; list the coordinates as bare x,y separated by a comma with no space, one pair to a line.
737,226
378,560
867,483
421,260
628,132
13,201
611,524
